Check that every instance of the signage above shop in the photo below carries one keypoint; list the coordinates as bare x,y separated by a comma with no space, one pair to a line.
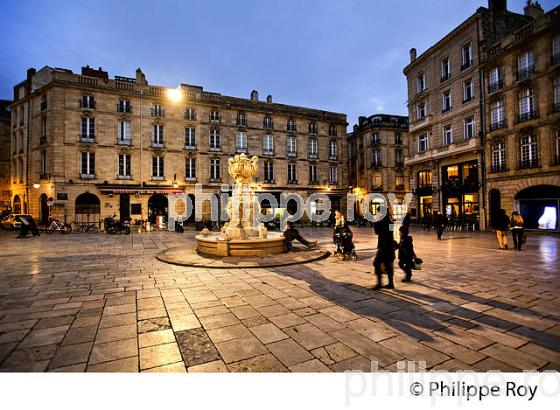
150,191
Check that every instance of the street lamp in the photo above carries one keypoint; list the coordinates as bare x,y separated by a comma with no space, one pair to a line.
175,94
36,185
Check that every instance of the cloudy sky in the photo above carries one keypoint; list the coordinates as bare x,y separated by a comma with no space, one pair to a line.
338,55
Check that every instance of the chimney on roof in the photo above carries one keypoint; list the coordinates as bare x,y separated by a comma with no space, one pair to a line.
533,9
497,5
30,73
412,54
254,95
269,99
140,77
91,72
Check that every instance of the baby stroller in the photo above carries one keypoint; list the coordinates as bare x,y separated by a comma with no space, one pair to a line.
342,238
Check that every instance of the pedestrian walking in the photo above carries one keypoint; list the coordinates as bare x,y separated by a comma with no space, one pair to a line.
426,223
517,230
406,253
383,261
339,219
502,226
439,224
406,220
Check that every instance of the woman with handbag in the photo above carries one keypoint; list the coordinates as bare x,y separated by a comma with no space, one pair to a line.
517,231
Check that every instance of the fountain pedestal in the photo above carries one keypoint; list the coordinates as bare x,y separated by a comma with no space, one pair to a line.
216,246
243,234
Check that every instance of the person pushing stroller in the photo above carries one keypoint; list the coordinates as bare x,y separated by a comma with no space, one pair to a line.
343,239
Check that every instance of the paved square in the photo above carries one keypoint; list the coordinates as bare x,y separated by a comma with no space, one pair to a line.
94,302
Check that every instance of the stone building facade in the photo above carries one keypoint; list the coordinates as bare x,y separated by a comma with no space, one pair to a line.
5,154
377,147
95,146
522,105
445,98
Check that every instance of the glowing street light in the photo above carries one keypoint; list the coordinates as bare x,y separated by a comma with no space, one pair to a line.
174,94
36,185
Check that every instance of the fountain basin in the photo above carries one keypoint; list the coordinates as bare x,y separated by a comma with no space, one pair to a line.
216,245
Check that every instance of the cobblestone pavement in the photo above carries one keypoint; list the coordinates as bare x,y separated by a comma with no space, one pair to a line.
94,302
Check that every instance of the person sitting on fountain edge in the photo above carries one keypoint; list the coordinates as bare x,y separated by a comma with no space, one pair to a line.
292,233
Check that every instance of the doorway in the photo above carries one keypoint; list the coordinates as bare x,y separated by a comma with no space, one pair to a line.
157,210
17,205
124,206
44,208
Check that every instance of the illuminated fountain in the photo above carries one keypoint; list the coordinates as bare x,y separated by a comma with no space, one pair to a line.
243,234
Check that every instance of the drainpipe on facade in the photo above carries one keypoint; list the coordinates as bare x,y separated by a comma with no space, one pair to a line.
482,210
27,202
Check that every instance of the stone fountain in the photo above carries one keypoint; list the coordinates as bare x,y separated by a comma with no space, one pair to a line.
243,234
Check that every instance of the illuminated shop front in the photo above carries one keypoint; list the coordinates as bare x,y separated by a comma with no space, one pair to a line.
460,193
540,206
424,192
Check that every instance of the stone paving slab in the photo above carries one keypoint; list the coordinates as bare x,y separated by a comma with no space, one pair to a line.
117,308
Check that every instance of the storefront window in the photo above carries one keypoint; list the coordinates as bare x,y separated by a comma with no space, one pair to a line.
425,178
452,208
470,204
470,172
426,206
452,172
460,193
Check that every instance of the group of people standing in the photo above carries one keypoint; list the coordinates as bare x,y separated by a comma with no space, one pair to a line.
515,224
386,247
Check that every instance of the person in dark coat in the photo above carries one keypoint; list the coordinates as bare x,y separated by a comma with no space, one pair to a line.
385,256
517,230
406,253
502,226
439,224
406,220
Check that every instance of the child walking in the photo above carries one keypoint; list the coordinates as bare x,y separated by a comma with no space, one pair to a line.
406,253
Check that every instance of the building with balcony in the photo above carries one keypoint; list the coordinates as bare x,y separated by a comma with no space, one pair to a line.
522,106
5,154
377,147
98,146
446,127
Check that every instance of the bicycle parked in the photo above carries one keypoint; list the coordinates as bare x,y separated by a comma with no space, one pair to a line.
85,227
54,225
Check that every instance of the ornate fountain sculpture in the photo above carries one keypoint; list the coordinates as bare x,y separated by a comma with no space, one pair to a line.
243,234
243,207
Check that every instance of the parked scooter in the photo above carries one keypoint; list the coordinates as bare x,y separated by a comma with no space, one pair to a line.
114,225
